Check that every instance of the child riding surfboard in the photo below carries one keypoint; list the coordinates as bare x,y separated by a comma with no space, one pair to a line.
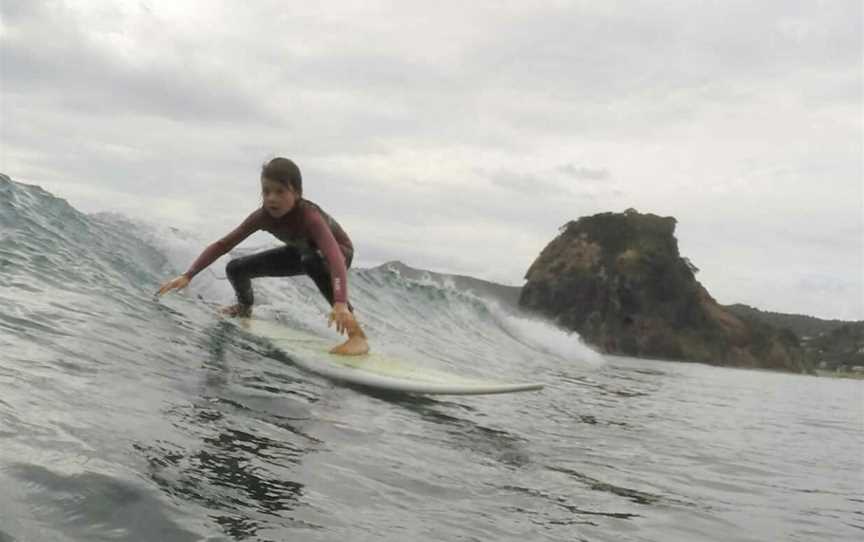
315,245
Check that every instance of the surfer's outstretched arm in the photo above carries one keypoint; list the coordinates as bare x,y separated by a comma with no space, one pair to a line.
213,252
341,313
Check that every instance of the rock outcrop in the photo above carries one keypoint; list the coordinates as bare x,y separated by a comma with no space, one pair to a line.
619,281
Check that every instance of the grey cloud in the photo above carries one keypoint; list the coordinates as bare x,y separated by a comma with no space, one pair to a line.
20,10
544,58
535,210
58,65
571,170
565,181
530,185
829,285
668,45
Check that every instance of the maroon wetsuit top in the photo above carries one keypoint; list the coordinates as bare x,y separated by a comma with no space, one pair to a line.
306,227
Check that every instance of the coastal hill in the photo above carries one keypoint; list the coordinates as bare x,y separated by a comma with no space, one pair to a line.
620,282
834,345
840,349
802,325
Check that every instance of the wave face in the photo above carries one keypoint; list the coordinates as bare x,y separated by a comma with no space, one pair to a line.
124,417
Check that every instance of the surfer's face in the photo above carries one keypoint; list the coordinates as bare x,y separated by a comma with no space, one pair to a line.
277,198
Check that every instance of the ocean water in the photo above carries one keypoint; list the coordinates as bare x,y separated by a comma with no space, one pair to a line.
126,418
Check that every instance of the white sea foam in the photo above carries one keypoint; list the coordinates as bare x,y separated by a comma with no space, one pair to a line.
547,337
475,318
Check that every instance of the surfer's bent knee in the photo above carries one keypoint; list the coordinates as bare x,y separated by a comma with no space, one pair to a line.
233,267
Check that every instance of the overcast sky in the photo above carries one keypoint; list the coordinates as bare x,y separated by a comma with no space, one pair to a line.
459,136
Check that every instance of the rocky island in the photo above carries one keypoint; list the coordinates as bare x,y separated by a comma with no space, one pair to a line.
619,281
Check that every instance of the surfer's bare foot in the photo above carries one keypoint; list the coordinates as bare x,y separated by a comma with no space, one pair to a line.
354,346
234,311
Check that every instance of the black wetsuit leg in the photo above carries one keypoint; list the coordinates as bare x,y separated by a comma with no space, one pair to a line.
315,266
277,262
284,261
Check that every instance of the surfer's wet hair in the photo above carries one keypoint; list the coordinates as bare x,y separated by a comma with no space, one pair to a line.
284,171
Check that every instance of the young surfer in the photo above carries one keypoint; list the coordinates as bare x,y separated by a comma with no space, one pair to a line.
315,244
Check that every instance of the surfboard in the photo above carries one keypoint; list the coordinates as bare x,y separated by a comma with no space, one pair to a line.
373,370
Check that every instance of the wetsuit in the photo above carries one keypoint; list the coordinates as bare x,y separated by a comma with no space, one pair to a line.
315,245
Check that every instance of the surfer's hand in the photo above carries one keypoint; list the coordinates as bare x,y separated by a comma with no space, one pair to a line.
343,318
174,284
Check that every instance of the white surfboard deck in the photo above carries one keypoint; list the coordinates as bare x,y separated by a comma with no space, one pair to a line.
372,370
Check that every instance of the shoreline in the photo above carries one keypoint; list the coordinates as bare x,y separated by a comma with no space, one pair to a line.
840,374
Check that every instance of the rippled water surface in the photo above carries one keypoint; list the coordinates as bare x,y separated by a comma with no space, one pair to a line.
123,418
